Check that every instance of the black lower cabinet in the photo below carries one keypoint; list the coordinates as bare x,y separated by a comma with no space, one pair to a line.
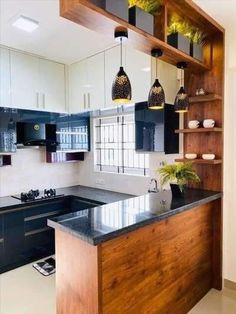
25,235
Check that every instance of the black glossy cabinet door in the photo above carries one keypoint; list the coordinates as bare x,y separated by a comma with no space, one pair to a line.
39,239
13,236
2,255
155,129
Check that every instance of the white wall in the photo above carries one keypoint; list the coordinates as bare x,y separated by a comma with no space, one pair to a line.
30,171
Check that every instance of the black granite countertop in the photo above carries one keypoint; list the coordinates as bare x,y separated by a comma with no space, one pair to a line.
99,224
9,203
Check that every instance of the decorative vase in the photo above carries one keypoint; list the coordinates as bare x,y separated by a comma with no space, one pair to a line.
141,19
176,192
118,8
179,41
196,51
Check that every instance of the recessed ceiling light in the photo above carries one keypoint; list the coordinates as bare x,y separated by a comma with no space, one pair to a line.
146,69
26,24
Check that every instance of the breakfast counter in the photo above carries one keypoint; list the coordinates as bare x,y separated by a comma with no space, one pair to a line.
139,255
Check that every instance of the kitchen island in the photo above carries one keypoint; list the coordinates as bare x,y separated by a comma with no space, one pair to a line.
147,254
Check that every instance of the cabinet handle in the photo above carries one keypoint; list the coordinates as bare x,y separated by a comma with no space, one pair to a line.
85,105
44,98
89,101
37,100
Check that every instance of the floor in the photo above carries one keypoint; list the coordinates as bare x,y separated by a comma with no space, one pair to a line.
25,291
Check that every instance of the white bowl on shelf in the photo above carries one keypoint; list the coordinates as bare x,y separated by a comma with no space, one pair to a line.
193,124
208,156
190,156
208,123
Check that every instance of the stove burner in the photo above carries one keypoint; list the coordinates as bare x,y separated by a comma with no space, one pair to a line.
35,195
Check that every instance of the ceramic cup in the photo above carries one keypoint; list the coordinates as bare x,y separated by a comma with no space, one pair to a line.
209,123
193,124
208,156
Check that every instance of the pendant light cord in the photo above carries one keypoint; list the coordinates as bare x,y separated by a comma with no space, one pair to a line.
121,52
181,80
156,67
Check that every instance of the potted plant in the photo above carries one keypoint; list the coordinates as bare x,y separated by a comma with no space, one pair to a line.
178,34
197,42
116,7
141,14
178,175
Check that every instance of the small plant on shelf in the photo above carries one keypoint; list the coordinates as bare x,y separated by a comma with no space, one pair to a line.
178,175
150,6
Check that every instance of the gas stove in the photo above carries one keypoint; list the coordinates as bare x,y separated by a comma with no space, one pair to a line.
36,195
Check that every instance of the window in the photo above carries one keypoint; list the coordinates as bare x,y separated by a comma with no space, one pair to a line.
114,145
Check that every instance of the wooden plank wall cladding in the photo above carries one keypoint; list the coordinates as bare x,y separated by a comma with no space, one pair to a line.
165,267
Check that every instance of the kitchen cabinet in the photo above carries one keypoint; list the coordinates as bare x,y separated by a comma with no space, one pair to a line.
36,83
86,84
24,81
52,86
5,99
2,253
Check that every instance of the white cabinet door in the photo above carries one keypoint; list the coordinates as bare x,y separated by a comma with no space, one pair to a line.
52,86
5,96
78,100
138,68
24,80
112,65
96,81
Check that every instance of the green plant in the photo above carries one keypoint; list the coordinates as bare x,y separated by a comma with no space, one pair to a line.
177,25
150,6
179,173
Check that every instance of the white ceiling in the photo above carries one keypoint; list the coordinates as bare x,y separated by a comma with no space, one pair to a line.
56,38
61,40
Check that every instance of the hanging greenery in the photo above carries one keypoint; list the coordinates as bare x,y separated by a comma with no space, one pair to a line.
150,6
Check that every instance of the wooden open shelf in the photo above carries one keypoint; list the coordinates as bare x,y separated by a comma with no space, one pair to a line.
87,14
200,161
6,160
62,157
205,98
199,130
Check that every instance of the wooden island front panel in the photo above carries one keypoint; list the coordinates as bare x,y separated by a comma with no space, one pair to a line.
164,267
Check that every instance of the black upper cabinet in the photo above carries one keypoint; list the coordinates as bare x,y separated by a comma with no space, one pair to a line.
155,129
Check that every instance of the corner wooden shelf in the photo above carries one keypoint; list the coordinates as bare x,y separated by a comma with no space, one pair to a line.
204,98
200,161
97,19
199,130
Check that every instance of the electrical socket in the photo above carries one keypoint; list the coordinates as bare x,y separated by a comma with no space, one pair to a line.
100,181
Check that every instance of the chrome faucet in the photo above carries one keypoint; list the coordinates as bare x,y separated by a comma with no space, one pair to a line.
153,189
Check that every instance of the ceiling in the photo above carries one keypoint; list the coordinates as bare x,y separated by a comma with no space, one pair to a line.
56,38
61,40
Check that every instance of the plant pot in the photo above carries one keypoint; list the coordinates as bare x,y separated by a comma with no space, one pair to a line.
141,19
179,41
119,8
176,192
196,51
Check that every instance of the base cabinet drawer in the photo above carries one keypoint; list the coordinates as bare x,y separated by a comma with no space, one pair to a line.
2,257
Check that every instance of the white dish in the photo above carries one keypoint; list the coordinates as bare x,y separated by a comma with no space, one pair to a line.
193,124
190,156
209,123
208,156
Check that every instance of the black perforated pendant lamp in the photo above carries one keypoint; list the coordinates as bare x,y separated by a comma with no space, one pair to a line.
181,104
156,97
121,87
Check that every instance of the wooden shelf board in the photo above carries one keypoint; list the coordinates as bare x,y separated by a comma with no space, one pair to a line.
87,14
204,98
199,130
200,161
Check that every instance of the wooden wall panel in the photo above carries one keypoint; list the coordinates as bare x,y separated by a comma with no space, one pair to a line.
165,267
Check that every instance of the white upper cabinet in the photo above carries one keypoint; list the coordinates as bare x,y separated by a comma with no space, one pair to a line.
138,68
86,84
52,86
112,65
5,96
24,81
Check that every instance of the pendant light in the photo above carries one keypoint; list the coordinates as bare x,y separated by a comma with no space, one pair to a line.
181,104
121,87
156,97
